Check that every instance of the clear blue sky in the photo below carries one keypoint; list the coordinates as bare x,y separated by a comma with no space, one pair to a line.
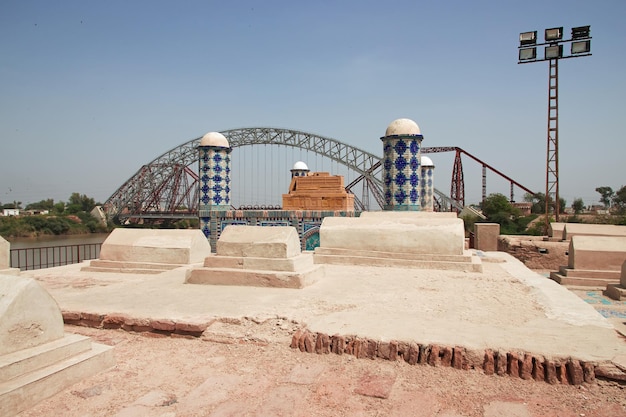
92,90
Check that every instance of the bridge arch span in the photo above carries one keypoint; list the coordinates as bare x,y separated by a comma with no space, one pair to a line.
167,187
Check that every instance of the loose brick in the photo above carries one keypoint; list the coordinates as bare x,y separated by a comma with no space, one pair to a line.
403,350
561,372
301,341
193,326
433,357
414,353
458,358
589,372
393,350
489,363
163,324
372,348
338,344
526,370
322,344
551,376
309,342
501,363
114,321
575,372
513,364
539,373
424,353
70,316
383,350
295,339
93,317
446,356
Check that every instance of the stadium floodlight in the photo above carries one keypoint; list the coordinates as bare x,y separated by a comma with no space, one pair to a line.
527,54
581,32
581,47
528,38
554,51
553,34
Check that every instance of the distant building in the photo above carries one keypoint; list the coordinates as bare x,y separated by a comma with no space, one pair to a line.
10,212
316,191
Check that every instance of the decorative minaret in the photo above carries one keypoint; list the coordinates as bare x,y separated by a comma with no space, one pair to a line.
214,173
299,170
401,166
426,193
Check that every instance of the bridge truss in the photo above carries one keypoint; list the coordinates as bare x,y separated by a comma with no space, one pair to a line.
167,187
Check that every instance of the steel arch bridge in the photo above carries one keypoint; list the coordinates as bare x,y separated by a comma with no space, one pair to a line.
167,187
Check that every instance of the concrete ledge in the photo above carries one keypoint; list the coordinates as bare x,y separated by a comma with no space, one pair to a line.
466,257
127,267
296,263
581,280
21,393
616,292
589,273
474,265
254,278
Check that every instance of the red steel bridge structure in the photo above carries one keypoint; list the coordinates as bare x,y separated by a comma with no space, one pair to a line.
167,187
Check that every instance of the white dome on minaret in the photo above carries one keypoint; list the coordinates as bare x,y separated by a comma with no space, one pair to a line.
426,161
403,127
300,166
214,139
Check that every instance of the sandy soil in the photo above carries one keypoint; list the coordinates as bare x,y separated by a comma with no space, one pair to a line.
247,369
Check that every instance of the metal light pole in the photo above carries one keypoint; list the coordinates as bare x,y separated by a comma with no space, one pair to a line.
553,51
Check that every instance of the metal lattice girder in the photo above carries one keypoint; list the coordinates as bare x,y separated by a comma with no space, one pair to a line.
156,186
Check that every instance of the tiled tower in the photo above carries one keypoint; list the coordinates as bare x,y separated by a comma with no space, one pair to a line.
427,187
214,173
401,166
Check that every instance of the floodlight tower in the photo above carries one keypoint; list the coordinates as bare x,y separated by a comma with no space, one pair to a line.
553,51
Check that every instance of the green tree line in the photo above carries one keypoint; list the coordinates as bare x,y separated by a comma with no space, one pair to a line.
71,217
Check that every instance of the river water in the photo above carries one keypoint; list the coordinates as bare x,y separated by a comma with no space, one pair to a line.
65,240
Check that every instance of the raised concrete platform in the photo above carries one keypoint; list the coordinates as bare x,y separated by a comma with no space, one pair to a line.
332,256
506,308
257,256
582,229
593,261
37,359
403,239
617,291
5,259
150,251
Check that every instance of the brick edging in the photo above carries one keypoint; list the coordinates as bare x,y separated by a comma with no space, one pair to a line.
499,362
128,323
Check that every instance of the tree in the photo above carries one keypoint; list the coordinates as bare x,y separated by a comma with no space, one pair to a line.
80,202
606,195
41,205
539,203
578,205
619,200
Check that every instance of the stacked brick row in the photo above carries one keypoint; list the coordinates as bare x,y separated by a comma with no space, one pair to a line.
516,364
125,322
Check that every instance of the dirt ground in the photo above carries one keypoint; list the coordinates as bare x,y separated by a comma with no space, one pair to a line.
244,368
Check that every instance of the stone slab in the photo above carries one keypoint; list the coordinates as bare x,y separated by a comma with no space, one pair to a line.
21,393
581,281
259,241
590,273
326,256
254,278
5,254
486,236
583,229
155,246
29,316
405,233
555,230
597,252
293,264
